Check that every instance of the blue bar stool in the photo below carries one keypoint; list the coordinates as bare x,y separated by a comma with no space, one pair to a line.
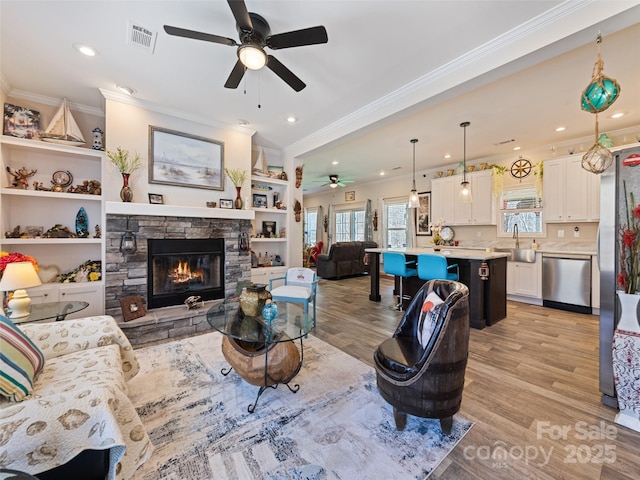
434,267
396,263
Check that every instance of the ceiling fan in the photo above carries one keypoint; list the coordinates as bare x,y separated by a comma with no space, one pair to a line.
334,182
255,35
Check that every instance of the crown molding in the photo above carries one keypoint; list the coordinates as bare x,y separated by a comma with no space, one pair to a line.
54,102
136,102
564,20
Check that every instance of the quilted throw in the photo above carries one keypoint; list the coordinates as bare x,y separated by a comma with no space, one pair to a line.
79,401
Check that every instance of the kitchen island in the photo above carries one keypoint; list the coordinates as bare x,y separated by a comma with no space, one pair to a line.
484,274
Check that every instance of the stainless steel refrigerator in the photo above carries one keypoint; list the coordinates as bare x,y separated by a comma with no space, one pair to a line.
612,215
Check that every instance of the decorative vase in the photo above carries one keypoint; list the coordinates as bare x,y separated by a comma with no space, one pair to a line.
626,362
238,202
269,311
253,298
126,194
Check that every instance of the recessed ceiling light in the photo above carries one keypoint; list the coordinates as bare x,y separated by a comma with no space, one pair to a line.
516,148
124,89
335,162
448,155
292,119
561,129
242,122
382,173
85,49
617,115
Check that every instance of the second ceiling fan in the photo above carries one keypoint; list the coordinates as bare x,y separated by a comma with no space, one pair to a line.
255,34
334,181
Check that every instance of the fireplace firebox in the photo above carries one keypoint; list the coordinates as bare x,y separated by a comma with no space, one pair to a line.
180,268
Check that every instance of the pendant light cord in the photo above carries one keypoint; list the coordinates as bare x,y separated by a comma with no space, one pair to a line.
414,141
464,125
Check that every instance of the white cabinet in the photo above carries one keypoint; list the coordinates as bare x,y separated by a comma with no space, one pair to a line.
570,193
442,200
269,236
525,279
31,209
90,292
264,275
445,205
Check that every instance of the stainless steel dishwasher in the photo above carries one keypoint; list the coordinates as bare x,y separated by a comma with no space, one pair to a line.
566,282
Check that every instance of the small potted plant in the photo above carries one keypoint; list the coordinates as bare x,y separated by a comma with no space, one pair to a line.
237,177
126,166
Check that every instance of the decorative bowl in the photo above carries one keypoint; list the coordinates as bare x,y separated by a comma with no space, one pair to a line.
471,168
450,172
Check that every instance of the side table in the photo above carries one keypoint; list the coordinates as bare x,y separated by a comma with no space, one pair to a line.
49,310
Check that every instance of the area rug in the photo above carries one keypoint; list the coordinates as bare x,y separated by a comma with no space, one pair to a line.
336,426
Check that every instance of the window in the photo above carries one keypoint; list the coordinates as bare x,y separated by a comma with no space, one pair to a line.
310,223
520,206
396,223
350,225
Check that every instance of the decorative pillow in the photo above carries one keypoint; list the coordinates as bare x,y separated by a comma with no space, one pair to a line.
20,361
428,316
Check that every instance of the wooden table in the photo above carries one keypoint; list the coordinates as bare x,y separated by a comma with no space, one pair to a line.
487,296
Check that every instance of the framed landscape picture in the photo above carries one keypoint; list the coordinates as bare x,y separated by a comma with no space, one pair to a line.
423,214
185,160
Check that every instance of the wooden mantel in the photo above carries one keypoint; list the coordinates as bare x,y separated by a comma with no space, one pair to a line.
130,208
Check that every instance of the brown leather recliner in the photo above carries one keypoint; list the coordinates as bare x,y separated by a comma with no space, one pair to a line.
427,381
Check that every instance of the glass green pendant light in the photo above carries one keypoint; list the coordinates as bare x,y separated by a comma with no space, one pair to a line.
603,91
597,97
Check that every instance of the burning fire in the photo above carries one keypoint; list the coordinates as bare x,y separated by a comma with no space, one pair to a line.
183,274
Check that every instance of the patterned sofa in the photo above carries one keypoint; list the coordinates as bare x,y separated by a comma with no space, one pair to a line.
78,405
344,259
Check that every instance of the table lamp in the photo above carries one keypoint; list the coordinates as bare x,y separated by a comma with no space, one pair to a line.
16,277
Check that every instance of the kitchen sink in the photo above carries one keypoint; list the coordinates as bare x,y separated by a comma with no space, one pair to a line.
527,255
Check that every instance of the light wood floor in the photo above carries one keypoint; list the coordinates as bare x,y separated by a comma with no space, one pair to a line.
531,388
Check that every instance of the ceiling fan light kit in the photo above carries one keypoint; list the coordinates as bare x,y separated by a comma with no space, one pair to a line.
414,202
464,195
255,34
252,57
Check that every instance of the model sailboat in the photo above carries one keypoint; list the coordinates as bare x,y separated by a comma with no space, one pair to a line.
63,128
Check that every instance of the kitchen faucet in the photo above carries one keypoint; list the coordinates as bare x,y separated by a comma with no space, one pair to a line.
515,235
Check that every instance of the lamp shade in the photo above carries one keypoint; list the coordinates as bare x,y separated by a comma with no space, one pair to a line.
19,275
16,277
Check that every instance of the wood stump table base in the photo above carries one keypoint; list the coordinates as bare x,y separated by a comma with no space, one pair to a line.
263,365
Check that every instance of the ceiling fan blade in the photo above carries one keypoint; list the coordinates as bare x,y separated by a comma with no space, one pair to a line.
241,14
206,37
298,38
285,74
235,76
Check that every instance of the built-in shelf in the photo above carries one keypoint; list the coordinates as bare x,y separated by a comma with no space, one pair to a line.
270,210
51,241
130,208
46,194
269,240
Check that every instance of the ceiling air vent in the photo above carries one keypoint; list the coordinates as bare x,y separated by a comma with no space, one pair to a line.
141,37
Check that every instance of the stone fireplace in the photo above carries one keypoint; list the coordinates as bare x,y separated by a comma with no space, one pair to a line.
129,275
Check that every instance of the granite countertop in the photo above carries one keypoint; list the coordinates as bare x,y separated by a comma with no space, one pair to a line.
574,248
453,252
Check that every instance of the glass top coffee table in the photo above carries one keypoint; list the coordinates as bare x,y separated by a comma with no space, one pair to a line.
51,310
263,353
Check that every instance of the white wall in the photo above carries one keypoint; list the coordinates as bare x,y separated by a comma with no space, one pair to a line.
127,126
